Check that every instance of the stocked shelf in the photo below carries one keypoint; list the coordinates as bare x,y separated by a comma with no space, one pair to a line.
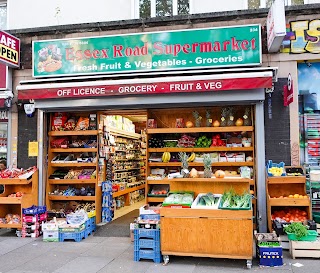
126,170
200,130
71,198
86,121
122,133
222,180
74,150
195,164
71,181
74,133
73,164
190,150
128,190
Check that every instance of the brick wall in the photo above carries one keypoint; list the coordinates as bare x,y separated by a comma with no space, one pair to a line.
277,128
27,131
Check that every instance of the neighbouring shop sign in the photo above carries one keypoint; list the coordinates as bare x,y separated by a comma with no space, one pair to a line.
288,92
84,91
9,49
276,26
149,51
302,37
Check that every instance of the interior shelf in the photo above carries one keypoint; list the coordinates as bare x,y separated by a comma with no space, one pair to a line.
74,133
73,164
201,130
128,190
71,181
74,150
10,200
195,164
71,198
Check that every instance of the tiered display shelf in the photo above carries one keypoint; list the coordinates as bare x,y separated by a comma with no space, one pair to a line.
14,205
78,183
202,232
284,186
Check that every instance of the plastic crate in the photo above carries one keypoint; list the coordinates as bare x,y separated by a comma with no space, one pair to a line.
147,234
71,228
146,243
312,236
316,216
30,218
148,254
270,256
76,236
50,236
150,216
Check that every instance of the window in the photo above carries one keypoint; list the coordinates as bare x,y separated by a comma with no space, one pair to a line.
157,8
256,4
3,16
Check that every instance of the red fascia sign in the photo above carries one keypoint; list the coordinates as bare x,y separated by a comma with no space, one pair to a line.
9,49
288,92
85,91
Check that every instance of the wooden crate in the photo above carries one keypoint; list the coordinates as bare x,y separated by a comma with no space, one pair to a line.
305,249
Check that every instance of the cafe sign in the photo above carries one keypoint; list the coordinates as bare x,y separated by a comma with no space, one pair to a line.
9,50
150,51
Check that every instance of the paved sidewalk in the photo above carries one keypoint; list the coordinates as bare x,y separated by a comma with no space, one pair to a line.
110,254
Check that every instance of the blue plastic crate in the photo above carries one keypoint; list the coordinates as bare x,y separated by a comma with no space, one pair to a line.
141,233
270,256
150,216
147,243
76,236
148,254
90,222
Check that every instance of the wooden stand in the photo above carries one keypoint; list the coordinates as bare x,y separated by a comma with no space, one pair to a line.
202,232
63,183
285,186
14,205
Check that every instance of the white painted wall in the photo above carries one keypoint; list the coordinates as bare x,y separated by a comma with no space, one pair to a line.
203,6
38,13
311,1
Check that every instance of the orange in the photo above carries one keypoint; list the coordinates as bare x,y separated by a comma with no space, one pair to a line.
290,196
296,196
305,197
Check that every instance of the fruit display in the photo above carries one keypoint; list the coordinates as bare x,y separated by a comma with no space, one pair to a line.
217,141
11,219
16,194
193,173
192,157
186,141
276,171
203,142
71,191
170,143
17,173
295,196
166,156
219,174
159,190
231,200
155,143
207,200
289,215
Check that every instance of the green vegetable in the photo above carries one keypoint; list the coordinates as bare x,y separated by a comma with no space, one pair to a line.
296,228
232,200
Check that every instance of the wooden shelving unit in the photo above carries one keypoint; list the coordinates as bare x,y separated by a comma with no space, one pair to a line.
202,232
285,186
14,205
77,183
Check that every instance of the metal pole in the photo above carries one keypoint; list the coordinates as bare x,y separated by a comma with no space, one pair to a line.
260,168
41,167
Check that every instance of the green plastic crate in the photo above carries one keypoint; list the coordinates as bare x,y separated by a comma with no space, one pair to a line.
316,217
312,236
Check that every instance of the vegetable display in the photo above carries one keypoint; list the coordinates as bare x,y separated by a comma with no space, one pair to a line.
231,200
289,215
297,229
209,199
203,142
183,199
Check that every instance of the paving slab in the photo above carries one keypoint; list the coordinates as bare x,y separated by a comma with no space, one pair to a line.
48,262
176,268
75,247
84,265
37,247
10,244
26,271
123,265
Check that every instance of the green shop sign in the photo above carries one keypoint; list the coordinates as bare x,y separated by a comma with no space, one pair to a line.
150,51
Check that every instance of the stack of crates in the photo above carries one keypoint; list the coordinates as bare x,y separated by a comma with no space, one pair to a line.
50,232
32,218
90,226
72,232
107,202
147,241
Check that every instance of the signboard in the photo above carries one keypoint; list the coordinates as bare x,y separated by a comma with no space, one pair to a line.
276,26
9,49
85,91
288,92
4,117
149,51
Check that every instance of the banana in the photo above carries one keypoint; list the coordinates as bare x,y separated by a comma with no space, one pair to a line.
192,157
166,156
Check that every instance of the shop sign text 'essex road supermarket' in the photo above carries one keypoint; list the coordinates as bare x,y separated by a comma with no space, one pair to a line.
146,88
150,51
